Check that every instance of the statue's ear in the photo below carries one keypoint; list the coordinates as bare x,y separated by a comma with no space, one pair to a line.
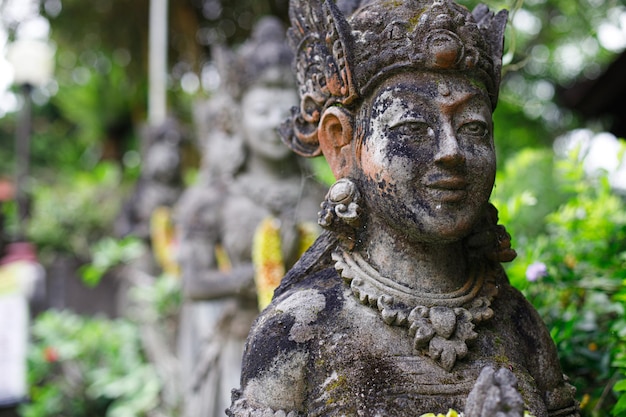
335,135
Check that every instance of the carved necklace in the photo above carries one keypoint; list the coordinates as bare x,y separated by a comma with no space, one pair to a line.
440,323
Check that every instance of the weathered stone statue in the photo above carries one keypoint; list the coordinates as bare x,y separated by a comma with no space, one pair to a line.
401,307
249,178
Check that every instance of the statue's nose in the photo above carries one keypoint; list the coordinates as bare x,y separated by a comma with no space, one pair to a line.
449,151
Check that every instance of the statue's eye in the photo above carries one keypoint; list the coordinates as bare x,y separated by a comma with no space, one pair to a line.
477,129
413,128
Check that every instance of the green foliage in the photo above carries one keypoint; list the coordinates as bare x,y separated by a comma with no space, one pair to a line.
322,171
619,355
76,210
526,191
108,253
161,301
91,117
579,233
514,131
99,100
83,367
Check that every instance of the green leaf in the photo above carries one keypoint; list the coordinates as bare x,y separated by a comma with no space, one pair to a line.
620,386
620,407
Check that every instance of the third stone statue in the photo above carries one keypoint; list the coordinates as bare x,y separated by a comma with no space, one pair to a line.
401,307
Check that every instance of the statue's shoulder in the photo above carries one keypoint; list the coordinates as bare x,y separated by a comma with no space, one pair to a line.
304,305
281,342
309,293
514,311
522,328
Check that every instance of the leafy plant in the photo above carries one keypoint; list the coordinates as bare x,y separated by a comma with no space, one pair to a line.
618,352
82,366
572,267
76,211
159,302
108,253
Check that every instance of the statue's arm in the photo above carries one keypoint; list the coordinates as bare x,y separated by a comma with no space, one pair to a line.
559,394
212,283
273,378
543,362
198,217
203,279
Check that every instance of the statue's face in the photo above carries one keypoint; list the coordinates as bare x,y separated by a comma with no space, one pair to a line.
264,109
428,159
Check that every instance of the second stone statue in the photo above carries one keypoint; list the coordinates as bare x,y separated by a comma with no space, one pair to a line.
251,189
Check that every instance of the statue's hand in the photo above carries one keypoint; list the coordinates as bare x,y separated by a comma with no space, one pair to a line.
495,395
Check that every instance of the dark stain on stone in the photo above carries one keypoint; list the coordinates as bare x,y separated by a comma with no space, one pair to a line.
273,340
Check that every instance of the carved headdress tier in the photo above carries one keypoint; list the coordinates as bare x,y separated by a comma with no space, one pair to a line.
265,59
340,59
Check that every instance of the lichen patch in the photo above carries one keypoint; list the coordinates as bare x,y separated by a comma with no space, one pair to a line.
304,307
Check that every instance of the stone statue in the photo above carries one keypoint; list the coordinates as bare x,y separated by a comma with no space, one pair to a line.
160,183
248,178
400,308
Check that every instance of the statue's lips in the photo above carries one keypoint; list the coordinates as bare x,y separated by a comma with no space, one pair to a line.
449,189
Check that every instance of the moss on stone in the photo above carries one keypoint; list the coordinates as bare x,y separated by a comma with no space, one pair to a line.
340,382
392,4
414,21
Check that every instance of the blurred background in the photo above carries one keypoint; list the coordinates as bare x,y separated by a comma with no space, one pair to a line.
81,83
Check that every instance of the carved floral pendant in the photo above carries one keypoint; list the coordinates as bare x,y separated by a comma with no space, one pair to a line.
441,324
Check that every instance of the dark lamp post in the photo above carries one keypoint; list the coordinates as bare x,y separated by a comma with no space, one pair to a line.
32,62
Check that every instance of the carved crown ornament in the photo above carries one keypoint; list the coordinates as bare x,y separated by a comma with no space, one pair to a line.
339,59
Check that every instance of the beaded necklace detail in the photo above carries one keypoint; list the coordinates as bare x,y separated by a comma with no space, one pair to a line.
440,324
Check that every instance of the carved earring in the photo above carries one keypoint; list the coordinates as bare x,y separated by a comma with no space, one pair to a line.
341,211
491,239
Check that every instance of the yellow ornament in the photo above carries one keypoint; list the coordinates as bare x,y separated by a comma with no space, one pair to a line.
451,413
163,237
222,259
267,256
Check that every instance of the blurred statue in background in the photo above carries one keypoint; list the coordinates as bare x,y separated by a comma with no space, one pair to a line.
245,222
160,182
401,308
146,215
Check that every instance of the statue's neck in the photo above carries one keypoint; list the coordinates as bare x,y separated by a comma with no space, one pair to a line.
424,267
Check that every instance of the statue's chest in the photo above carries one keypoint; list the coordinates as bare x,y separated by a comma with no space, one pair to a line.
370,368
239,221
241,225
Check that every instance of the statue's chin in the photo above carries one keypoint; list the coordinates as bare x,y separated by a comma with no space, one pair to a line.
440,230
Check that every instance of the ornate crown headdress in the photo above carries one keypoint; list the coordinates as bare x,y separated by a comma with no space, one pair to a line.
264,58
339,60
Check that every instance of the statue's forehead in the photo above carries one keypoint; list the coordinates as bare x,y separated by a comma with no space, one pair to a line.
432,87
